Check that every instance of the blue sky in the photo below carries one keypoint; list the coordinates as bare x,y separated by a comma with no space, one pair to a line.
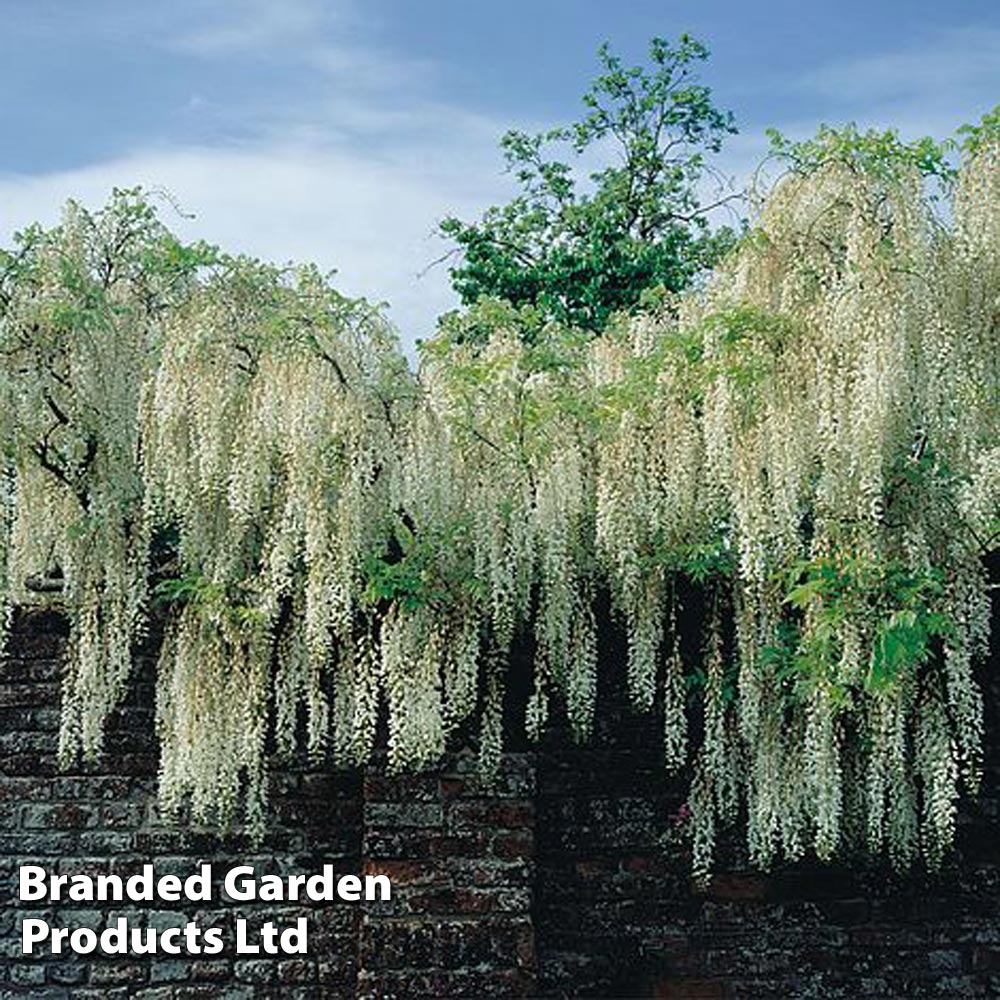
341,131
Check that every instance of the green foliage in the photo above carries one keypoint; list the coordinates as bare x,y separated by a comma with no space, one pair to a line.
974,137
536,351
214,601
548,346
740,345
784,482
880,154
706,563
746,344
898,605
416,574
581,252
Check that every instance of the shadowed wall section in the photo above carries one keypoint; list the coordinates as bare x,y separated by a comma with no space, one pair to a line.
566,878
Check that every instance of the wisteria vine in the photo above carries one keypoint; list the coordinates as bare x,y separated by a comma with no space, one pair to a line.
807,449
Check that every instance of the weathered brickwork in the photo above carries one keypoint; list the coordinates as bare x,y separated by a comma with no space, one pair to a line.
567,877
102,818
461,858
616,914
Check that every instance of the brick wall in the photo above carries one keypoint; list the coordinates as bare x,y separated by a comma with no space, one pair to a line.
557,881
617,915
461,861
102,819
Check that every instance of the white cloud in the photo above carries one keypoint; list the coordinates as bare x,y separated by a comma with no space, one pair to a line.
926,89
353,172
371,218
331,38
356,171
957,58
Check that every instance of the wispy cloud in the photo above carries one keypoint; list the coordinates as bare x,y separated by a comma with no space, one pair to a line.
917,89
302,130
240,27
334,39
353,172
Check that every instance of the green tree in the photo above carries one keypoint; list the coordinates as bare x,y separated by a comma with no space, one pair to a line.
580,252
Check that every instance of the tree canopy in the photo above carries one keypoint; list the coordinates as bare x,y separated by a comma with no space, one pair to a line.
580,251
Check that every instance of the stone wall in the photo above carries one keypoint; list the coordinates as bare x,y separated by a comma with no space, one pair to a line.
567,878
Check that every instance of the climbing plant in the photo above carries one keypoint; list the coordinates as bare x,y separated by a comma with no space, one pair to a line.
785,483
269,453
82,308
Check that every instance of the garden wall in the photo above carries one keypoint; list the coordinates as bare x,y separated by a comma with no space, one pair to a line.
567,878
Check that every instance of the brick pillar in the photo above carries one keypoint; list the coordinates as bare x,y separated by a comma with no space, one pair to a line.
461,860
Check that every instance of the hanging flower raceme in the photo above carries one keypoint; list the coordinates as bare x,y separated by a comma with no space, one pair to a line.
269,453
81,310
513,427
852,412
